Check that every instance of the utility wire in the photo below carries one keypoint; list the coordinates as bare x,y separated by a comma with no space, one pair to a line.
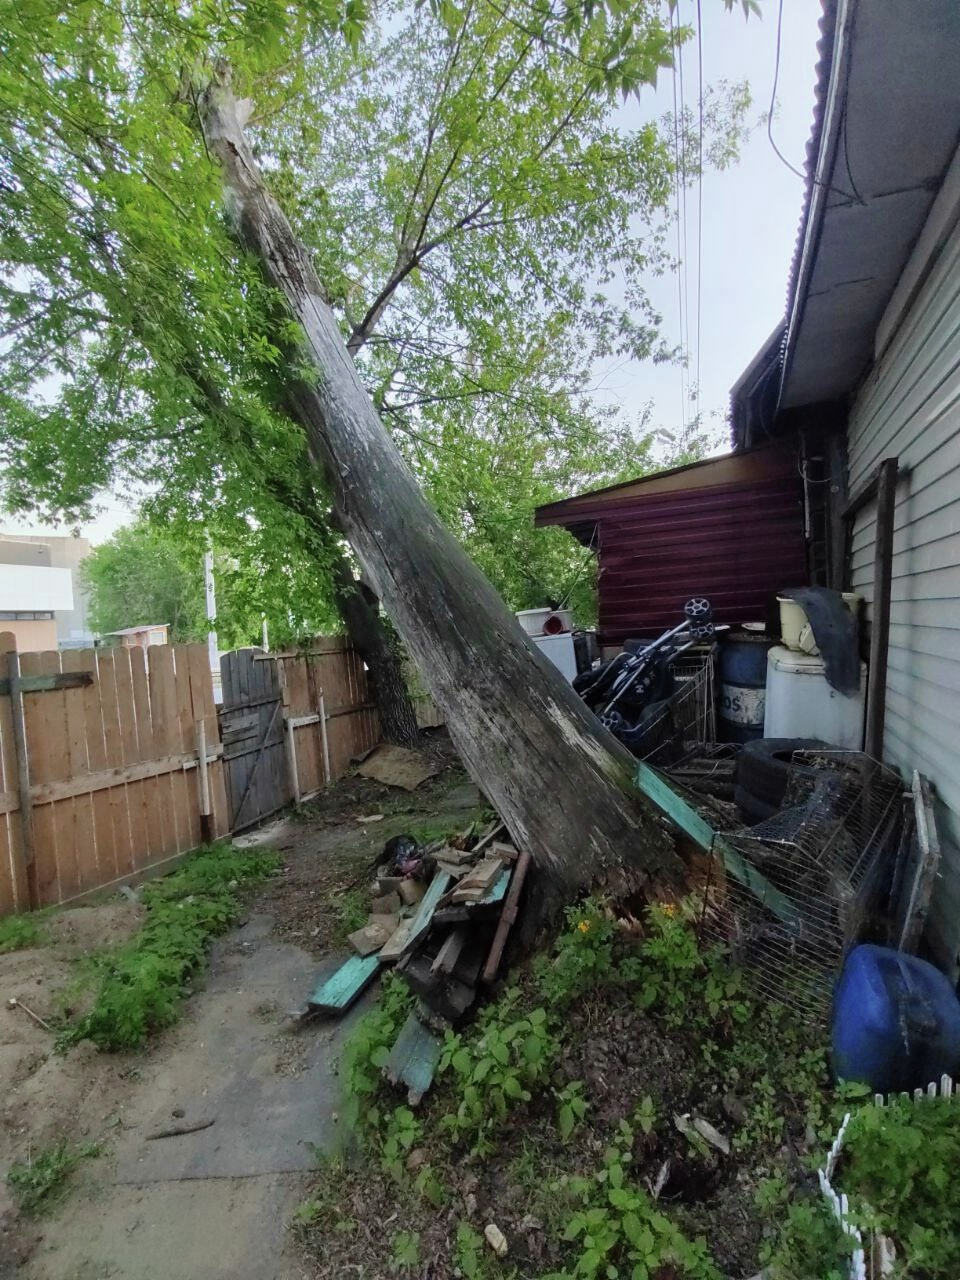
699,187
680,263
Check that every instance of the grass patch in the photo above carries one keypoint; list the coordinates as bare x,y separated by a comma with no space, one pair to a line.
351,910
139,986
18,932
39,1181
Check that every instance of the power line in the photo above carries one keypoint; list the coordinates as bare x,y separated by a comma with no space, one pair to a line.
699,188
680,262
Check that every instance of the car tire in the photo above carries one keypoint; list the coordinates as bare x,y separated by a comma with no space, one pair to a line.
763,769
751,810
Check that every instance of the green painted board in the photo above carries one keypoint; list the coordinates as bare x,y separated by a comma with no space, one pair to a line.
413,1058
439,885
684,816
340,990
497,890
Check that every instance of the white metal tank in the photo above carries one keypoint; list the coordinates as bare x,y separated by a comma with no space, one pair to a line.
801,704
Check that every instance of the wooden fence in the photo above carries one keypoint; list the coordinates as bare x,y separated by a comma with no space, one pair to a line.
99,776
103,743
327,677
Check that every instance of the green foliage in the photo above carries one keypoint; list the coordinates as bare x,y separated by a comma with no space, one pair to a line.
368,1049
618,1230
494,1067
406,1252
141,575
40,1180
899,1169
469,1252
582,958
352,911
807,1237
571,1108
402,1130
466,192
19,932
140,984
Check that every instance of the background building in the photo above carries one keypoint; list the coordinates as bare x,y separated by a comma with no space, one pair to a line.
41,598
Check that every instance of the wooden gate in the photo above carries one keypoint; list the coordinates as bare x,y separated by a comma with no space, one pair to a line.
252,731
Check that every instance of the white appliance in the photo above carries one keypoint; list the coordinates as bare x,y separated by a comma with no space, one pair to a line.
551,622
801,704
560,651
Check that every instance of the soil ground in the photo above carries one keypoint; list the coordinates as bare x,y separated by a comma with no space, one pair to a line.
216,1202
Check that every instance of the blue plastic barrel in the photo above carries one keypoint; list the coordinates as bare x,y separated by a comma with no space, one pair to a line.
896,1021
743,686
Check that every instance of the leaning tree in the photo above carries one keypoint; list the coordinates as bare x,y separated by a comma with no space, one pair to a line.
127,301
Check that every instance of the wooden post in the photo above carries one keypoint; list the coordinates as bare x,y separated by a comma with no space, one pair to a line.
880,620
325,741
206,822
290,729
23,774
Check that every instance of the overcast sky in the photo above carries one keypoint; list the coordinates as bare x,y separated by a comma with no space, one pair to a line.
751,212
751,215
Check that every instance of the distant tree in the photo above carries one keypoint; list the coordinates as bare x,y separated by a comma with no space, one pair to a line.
141,576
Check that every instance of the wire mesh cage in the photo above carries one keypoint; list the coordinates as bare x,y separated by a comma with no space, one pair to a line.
789,896
687,718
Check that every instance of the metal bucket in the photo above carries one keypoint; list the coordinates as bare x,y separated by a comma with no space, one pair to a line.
743,684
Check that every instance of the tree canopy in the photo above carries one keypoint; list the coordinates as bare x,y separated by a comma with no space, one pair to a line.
461,179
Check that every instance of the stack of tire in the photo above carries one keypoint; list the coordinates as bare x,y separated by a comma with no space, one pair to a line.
763,770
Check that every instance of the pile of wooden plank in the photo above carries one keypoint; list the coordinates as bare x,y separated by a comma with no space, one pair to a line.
445,937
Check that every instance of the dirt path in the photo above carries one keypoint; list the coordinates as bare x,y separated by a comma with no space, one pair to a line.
217,1202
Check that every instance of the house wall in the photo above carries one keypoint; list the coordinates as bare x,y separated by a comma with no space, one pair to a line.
31,635
909,407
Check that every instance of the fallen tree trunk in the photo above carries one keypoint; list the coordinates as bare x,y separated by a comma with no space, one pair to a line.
560,782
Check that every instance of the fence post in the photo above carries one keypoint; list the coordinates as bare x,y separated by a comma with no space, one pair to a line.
292,757
206,822
23,774
324,740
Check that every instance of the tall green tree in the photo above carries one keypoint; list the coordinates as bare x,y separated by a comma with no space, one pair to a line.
142,341
139,576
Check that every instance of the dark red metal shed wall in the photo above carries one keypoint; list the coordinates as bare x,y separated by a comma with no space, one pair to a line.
735,544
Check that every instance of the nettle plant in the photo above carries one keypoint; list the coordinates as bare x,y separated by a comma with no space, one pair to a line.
495,1069
617,1230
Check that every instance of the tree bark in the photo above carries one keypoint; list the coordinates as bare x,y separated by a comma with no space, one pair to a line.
360,611
560,782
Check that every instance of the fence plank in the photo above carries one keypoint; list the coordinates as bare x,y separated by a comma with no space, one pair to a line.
103,821
155,845
113,753
166,738
36,711
14,890
186,795
123,670
84,820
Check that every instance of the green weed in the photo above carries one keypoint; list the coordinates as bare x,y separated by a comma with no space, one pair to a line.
495,1067
582,959
40,1180
406,1252
469,1252
901,1160
139,985
352,910
617,1230
19,932
368,1049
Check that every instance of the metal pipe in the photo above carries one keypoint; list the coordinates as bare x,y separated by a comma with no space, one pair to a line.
206,827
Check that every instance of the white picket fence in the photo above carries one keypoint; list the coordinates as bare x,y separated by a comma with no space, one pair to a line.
881,1249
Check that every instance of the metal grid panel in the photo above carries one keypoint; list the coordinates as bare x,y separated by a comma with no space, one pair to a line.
824,856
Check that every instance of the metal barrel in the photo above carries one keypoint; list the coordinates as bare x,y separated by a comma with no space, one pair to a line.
743,683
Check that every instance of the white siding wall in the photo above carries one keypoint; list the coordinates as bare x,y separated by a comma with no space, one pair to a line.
909,407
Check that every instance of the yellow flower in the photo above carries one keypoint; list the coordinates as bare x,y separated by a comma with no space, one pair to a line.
584,926
668,909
